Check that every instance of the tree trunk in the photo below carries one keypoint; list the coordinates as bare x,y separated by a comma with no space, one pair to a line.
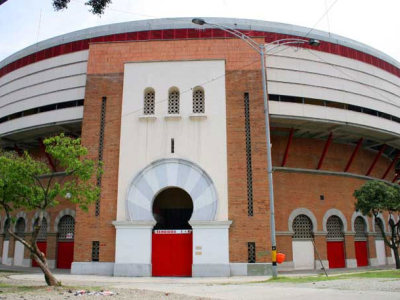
48,276
396,257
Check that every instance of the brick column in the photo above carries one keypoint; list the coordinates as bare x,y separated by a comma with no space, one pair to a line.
51,249
284,245
27,253
320,247
372,258
350,254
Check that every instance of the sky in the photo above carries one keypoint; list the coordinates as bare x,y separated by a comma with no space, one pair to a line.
372,22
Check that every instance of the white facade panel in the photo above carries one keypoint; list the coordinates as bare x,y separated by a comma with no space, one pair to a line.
303,255
19,254
333,78
55,116
40,66
380,252
42,100
5,252
44,88
198,140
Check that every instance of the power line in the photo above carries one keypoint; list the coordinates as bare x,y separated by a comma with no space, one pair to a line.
322,17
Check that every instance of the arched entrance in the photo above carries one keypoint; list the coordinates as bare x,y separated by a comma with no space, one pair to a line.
41,239
65,242
172,239
335,242
302,243
360,238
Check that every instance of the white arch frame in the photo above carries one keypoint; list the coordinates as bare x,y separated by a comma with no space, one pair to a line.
353,218
334,212
22,215
64,212
171,172
195,89
45,215
302,211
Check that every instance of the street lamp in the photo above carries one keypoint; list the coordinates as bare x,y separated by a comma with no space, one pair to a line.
262,50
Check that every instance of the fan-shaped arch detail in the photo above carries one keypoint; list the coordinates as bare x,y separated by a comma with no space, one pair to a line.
165,173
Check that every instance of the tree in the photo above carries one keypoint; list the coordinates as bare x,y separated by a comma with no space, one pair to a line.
375,197
97,6
31,184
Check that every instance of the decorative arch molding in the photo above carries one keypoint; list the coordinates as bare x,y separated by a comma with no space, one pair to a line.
353,218
45,215
171,172
22,215
334,212
61,214
302,211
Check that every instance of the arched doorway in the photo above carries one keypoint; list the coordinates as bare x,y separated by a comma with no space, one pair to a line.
19,247
65,242
41,239
172,239
379,242
360,238
335,242
302,244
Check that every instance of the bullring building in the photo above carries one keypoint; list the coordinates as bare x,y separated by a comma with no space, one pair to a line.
175,112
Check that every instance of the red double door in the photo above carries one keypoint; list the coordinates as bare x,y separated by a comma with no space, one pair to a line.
42,247
172,253
336,256
65,255
361,253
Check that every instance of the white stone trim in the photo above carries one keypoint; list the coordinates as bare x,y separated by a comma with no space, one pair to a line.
302,211
334,212
200,187
353,218
211,224
134,224
61,214
22,215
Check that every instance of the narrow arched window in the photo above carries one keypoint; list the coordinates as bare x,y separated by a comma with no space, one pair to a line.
198,100
378,233
20,227
334,225
149,101
66,228
173,101
302,227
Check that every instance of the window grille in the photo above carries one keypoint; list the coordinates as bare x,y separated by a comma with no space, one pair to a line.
149,102
6,227
302,227
248,155
66,228
360,228
43,230
95,250
101,147
198,101
173,102
20,227
251,250
378,232
334,226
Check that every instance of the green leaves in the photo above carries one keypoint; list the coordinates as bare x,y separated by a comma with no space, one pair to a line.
376,196
31,184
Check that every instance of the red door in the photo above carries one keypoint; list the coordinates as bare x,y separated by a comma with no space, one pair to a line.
172,253
65,255
336,254
361,254
42,247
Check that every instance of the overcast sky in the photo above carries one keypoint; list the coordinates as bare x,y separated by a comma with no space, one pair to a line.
375,23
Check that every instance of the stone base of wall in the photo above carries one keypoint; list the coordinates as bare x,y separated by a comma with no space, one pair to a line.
351,263
93,268
373,262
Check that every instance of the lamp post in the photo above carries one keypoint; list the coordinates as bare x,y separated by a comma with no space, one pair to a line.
262,50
